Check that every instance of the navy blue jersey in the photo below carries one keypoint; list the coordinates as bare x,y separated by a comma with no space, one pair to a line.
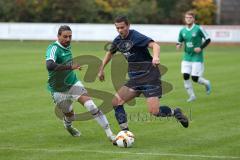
134,47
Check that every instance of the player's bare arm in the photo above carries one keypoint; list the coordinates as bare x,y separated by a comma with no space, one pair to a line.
156,52
105,61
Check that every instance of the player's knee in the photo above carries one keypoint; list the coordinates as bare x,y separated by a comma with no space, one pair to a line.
186,76
116,101
195,78
70,116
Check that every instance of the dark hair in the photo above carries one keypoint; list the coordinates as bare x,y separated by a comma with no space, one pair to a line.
63,28
191,13
120,19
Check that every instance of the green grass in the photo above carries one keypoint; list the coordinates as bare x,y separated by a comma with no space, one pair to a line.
29,128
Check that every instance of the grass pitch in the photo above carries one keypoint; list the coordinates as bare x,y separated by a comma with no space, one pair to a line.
30,130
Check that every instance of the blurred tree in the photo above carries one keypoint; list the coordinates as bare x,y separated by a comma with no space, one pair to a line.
104,11
80,11
18,10
172,11
143,11
108,9
47,11
181,7
205,11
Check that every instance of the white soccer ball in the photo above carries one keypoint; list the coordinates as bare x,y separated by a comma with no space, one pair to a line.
125,139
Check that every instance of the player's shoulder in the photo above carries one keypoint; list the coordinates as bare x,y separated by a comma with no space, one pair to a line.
136,35
117,39
197,26
183,28
133,32
53,47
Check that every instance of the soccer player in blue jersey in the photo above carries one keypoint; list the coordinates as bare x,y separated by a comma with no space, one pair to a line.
143,71
192,64
65,86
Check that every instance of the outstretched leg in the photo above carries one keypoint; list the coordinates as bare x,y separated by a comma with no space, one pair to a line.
204,82
97,114
69,117
197,72
165,111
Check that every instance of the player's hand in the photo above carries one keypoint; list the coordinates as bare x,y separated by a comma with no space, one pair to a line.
101,75
76,66
178,47
155,61
197,50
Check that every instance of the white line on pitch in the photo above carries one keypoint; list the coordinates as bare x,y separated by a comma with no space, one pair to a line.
119,152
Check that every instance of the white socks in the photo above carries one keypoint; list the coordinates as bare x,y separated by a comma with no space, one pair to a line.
98,116
189,88
203,81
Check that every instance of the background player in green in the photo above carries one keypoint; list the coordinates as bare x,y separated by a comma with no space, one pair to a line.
64,85
192,64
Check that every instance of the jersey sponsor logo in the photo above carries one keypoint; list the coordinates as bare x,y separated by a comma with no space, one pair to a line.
184,34
189,44
128,54
125,45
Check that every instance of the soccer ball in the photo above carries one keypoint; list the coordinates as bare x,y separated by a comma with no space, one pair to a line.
125,139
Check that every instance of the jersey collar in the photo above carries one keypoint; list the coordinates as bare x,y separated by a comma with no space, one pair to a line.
189,29
126,36
67,48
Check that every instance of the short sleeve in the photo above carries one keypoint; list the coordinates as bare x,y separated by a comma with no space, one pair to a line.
114,45
141,40
180,37
113,48
51,53
203,33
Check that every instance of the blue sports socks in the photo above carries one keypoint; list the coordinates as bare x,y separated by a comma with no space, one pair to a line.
121,117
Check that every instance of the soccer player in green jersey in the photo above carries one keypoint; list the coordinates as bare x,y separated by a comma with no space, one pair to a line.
64,85
192,64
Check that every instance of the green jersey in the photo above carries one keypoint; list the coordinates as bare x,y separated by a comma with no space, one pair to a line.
192,38
60,81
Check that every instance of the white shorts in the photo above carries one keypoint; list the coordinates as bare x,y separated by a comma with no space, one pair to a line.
192,68
69,96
